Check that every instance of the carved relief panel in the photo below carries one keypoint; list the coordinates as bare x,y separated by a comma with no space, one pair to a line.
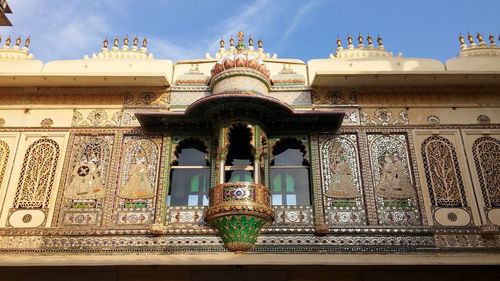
341,177
483,150
138,180
85,185
395,192
8,145
445,180
29,198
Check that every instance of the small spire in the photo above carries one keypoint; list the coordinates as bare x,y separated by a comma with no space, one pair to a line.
379,41
240,37
231,41
470,38
7,42
479,37
369,39
18,41
221,43
461,39
349,40
125,40
105,43
492,39
0,38
144,42
27,42
136,41
260,43
360,39
339,42
250,41
115,43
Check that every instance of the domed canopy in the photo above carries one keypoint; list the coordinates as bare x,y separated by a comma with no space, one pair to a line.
271,113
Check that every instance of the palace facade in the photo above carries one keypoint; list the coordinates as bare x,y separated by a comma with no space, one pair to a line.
242,165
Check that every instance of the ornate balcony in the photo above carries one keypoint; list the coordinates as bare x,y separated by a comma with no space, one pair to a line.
239,210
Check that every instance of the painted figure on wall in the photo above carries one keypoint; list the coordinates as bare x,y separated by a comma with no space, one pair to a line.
341,185
138,186
86,181
394,182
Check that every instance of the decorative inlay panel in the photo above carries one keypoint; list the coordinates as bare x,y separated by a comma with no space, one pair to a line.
341,177
486,151
138,180
392,178
86,182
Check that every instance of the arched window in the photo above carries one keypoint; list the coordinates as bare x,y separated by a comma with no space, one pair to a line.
486,151
189,175
37,175
442,172
4,157
290,173
240,157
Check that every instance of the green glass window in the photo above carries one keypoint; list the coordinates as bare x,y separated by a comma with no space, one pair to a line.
190,175
289,174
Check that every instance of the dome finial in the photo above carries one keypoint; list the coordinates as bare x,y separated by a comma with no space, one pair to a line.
125,40
349,41
8,41
339,42
27,42
360,39
136,41
105,43
115,42
470,38
221,43
462,41
18,41
145,42
260,43
250,41
369,40
231,41
240,37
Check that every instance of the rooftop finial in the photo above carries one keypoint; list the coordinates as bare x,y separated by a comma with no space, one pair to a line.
125,41
145,42
250,41
349,41
240,37
231,41
136,41
360,40
492,39
8,41
379,41
260,43
221,43
105,43
115,43
471,39
339,42
18,41
370,40
479,37
462,41
27,42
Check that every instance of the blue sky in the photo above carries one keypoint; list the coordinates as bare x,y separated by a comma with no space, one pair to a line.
69,29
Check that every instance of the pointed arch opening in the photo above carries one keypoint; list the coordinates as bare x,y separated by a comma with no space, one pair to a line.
189,174
290,173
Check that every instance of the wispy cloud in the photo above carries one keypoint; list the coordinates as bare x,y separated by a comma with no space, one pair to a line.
61,30
297,18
